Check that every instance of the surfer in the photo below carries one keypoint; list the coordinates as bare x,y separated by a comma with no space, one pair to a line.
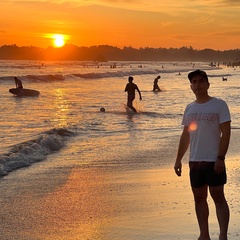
18,82
130,89
155,84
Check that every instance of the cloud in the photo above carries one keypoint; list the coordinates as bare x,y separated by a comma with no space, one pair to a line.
202,20
135,22
158,5
173,7
233,33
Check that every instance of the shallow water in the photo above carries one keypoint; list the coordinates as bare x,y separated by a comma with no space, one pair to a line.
86,174
67,112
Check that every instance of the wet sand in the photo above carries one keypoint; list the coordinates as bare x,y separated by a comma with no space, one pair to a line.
102,204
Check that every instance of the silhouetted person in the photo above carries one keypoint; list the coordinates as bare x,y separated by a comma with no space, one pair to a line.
155,84
18,82
130,89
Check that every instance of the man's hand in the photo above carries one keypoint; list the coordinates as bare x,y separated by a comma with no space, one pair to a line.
219,166
178,168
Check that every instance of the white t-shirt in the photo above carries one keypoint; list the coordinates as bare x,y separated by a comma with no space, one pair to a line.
203,123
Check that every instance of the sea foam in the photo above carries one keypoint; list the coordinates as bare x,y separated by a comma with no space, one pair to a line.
27,153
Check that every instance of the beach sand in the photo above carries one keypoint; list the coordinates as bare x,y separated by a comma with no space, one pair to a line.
102,204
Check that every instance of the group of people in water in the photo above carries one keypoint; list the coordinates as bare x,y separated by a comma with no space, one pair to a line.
132,87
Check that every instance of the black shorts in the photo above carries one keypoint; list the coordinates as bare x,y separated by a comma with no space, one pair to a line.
202,173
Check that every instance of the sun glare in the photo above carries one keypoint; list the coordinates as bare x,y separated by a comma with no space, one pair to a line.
193,126
58,40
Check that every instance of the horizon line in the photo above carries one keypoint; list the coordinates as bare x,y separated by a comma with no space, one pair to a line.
70,44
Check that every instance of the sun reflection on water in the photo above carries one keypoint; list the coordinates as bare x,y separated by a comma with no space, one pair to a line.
61,107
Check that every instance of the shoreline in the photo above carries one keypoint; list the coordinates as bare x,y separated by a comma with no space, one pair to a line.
100,204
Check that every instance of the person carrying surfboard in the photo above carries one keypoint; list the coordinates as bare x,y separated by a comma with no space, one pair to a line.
130,89
18,82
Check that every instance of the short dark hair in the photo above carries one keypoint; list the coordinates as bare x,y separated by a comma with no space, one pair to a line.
130,78
197,72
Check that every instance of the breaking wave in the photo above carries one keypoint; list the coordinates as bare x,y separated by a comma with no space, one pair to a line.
27,153
97,74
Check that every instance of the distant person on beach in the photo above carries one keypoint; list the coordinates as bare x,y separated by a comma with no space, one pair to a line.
155,84
130,89
18,82
207,129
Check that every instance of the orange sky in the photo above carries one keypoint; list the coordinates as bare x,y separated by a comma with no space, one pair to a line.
136,23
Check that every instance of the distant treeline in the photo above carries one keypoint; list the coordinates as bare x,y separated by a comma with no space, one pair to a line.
103,53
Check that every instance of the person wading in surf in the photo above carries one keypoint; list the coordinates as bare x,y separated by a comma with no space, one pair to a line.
130,89
155,84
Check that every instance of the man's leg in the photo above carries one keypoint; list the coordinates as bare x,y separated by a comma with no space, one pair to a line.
202,211
222,210
129,104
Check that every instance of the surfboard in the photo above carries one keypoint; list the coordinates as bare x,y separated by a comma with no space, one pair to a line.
24,92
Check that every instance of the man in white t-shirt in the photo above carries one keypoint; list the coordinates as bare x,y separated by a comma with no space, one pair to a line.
207,130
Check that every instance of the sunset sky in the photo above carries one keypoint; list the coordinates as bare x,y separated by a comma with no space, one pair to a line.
201,24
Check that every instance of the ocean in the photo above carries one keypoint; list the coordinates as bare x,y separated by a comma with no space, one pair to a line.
70,171
65,121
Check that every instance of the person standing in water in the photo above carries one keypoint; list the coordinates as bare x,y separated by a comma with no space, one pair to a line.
155,84
130,89
18,82
207,129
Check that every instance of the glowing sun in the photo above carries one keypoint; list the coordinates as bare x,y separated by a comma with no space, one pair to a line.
59,40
